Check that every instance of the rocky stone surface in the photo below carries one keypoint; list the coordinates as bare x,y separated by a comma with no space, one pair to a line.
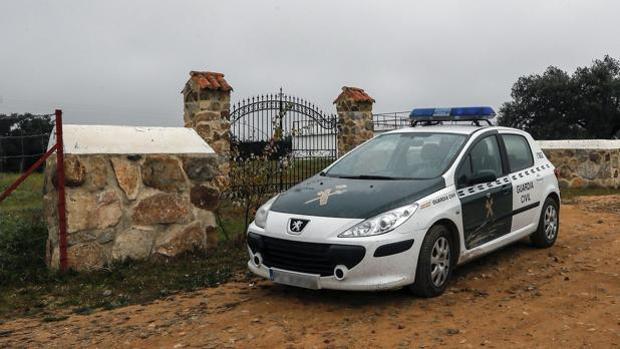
204,197
201,168
206,116
97,171
85,256
586,168
180,240
161,209
127,175
132,244
212,237
87,210
75,172
163,173
133,207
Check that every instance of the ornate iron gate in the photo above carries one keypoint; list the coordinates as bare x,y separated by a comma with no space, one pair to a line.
304,136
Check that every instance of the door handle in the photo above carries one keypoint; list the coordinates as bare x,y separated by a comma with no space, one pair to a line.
506,189
539,178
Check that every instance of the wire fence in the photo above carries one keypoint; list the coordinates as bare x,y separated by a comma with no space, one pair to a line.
23,140
24,143
23,233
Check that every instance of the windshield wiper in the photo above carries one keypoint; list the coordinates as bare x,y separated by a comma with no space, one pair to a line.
373,177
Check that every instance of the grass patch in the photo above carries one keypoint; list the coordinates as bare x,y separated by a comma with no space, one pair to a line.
22,231
27,198
569,194
232,225
22,247
124,284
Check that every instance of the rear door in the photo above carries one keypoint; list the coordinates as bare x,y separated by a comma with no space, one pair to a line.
486,207
525,180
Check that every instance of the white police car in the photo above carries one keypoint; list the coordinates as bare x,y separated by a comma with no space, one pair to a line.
406,207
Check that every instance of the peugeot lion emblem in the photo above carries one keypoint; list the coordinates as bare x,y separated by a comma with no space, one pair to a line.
297,225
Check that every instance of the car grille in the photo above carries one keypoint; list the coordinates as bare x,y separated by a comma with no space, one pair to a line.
305,257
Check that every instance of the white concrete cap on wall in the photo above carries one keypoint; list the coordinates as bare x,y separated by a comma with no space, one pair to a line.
107,139
581,144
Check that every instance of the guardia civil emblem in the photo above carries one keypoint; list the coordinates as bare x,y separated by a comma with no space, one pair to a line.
488,205
323,196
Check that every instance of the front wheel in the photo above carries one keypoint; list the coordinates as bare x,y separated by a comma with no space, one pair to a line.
548,225
434,263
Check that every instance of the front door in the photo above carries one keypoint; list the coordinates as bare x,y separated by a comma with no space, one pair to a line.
486,207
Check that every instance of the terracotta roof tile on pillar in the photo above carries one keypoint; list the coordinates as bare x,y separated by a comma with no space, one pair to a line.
210,81
354,93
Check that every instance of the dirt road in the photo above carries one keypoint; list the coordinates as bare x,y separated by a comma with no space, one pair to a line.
567,296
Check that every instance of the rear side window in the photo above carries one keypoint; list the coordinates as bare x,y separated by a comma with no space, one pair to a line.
518,151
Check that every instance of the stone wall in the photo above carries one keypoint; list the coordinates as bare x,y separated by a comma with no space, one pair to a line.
132,207
355,126
585,163
206,97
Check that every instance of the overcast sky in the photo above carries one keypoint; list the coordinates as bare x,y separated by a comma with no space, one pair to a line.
125,62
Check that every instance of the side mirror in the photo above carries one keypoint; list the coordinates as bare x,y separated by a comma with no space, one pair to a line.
483,176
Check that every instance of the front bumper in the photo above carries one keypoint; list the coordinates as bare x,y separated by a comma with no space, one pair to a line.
369,273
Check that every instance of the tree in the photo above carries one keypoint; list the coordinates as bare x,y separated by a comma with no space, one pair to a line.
556,105
23,137
599,97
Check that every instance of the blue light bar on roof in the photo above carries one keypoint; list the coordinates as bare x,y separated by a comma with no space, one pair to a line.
449,114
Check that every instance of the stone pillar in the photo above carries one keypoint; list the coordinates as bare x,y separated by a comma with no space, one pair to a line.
355,126
206,97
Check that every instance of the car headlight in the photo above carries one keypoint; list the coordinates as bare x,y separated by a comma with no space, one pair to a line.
260,219
382,223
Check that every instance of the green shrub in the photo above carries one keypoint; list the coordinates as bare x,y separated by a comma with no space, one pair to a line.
22,247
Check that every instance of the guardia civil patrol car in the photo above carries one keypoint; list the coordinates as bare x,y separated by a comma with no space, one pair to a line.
408,206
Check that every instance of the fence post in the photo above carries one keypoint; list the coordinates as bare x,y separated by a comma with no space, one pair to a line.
60,175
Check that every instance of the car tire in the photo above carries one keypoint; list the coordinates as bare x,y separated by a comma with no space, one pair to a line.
435,263
548,225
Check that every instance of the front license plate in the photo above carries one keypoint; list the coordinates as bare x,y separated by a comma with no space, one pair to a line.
294,279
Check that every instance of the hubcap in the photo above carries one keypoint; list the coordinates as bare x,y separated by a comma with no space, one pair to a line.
551,222
440,261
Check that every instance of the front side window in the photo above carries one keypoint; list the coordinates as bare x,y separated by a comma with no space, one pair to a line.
518,151
401,156
484,157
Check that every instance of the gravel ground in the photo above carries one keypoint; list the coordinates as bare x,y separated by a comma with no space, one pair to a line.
567,296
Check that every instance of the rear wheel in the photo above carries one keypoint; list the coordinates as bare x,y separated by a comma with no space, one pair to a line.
548,225
434,263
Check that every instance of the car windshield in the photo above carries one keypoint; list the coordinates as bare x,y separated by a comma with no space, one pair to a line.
412,155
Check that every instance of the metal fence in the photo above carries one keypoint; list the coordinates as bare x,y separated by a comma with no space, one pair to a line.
390,121
304,136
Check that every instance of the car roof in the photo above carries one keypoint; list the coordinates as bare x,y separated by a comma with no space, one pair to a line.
457,129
